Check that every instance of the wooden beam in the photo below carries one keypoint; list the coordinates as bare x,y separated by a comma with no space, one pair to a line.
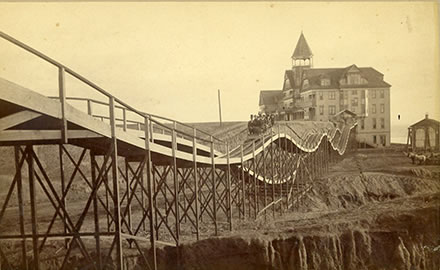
27,135
17,119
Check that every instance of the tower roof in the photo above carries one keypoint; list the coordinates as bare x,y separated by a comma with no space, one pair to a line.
302,50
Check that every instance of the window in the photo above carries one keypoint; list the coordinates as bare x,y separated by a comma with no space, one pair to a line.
383,140
332,109
362,101
374,123
306,83
321,110
354,101
354,79
381,93
362,124
331,95
382,108
373,93
374,139
321,96
353,109
382,123
373,108
354,92
341,102
325,82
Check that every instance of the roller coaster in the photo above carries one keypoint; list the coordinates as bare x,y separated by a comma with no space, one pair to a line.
146,176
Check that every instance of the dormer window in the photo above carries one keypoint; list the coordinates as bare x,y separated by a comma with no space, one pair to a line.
354,78
287,84
343,81
325,82
305,83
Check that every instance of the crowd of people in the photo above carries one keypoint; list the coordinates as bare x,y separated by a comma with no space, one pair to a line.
260,123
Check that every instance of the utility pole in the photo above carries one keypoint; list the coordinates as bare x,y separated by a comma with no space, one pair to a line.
219,108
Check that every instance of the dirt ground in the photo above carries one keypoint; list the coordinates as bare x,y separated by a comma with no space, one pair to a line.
374,210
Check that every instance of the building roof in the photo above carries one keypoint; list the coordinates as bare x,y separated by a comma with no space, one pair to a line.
426,122
347,112
269,97
374,79
302,49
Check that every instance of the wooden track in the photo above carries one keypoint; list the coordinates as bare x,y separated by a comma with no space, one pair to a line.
172,173
29,117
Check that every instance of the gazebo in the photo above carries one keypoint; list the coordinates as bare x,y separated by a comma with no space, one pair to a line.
424,136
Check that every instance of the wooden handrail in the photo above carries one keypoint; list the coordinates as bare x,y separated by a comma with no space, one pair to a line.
90,83
93,85
144,114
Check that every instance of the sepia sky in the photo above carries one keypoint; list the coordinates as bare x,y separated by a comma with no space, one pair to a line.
170,58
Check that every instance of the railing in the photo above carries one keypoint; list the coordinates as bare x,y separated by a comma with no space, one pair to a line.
306,103
147,119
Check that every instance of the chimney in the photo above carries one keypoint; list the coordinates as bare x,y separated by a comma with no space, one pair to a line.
426,116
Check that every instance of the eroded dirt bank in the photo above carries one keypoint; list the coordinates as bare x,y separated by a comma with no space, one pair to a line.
377,219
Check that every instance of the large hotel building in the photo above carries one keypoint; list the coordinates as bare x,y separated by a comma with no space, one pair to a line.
317,94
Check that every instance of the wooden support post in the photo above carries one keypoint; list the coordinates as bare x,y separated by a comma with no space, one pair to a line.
272,170
151,192
228,179
89,107
299,176
196,183
63,191
143,187
124,119
115,176
96,211
214,188
176,184
183,191
20,207
128,204
151,129
106,196
30,161
254,169
292,171
280,168
62,94
243,188
264,177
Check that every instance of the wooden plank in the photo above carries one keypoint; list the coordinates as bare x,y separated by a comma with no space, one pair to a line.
267,206
165,243
28,135
17,119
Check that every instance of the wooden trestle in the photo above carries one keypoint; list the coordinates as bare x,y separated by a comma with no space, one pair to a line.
149,181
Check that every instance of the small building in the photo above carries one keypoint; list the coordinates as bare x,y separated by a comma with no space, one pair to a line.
424,136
